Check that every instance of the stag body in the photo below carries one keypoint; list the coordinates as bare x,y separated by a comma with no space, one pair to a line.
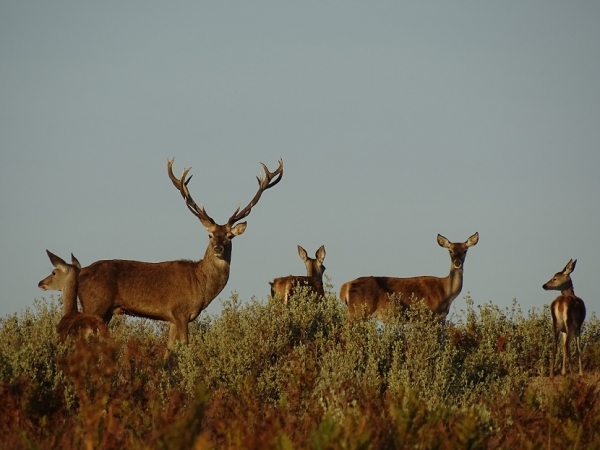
284,287
568,314
371,295
173,291
65,278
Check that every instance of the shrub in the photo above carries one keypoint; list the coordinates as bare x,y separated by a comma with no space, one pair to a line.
263,375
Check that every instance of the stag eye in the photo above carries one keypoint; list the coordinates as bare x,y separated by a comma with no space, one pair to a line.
230,236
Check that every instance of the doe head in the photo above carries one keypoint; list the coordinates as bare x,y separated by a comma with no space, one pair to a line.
458,250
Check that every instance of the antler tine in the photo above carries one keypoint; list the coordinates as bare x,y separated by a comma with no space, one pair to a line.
181,185
264,183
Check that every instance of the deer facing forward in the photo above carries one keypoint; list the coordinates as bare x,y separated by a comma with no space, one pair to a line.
284,287
172,291
568,314
65,278
371,295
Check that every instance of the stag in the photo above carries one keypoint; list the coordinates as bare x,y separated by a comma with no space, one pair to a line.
371,295
568,314
65,278
172,291
285,287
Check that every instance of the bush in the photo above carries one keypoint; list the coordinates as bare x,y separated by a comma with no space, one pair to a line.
301,375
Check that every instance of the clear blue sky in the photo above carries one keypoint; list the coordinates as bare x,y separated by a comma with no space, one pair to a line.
396,121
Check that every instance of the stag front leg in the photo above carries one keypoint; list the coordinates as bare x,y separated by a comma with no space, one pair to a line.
172,335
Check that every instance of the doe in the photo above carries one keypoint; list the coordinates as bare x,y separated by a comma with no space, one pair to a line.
284,287
568,314
371,295
65,278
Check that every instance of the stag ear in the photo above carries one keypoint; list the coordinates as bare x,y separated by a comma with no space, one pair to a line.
442,241
473,240
239,228
570,267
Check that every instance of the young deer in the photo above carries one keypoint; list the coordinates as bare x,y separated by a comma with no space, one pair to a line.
284,287
65,278
568,314
173,291
371,295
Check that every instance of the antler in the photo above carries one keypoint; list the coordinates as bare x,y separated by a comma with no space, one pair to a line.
263,184
181,185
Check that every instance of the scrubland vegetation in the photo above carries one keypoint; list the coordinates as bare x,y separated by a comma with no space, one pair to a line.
298,376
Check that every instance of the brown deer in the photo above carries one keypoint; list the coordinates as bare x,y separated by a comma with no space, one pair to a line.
284,287
568,314
65,278
173,291
371,295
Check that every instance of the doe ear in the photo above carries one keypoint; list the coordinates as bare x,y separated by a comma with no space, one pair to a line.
302,253
473,240
442,241
75,261
320,254
570,267
56,261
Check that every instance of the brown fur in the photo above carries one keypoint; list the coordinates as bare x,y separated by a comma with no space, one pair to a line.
568,314
65,278
173,291
370,296
285,287
76,324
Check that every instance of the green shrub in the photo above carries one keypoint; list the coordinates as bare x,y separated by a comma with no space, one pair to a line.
267,375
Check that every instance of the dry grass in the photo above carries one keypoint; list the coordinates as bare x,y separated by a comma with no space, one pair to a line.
267,375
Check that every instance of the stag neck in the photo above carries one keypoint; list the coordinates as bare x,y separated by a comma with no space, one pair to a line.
212,274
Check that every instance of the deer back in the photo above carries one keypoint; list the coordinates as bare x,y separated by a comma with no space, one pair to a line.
284,287
76,325
371,295
153,290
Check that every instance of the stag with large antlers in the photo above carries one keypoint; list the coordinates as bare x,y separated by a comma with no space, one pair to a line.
172,291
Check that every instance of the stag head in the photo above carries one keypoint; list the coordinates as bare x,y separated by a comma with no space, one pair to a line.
220,236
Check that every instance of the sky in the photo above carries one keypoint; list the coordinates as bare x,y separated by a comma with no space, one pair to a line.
395,120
